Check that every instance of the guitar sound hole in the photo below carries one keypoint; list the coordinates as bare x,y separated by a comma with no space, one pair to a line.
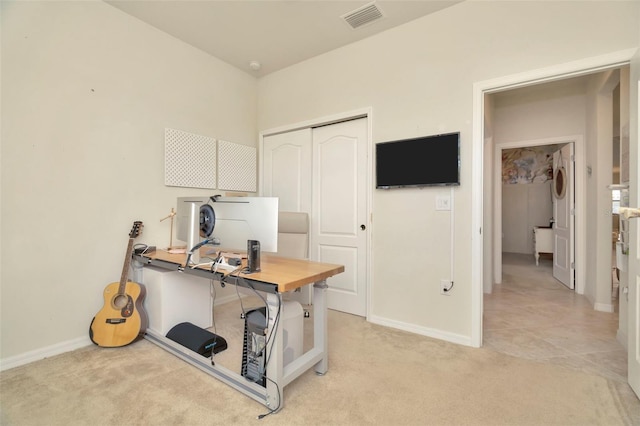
120,301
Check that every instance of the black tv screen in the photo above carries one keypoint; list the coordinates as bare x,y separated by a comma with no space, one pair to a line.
424,161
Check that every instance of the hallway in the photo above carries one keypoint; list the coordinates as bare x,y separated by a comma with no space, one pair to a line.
531,315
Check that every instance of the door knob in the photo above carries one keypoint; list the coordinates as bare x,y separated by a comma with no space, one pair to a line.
363,227
629,213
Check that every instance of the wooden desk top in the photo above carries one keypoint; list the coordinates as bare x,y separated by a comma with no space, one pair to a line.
287,273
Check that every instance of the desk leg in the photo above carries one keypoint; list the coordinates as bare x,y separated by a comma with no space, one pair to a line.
320,336
275,366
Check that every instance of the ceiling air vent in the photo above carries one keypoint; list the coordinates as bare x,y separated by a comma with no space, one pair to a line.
363,15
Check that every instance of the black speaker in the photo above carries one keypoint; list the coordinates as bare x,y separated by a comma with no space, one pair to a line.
253,255
197,339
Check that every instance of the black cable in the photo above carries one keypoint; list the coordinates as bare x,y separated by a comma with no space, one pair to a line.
275,328
249,285
267,351
194,248
262,416
268,358
212,292
275,322
141,248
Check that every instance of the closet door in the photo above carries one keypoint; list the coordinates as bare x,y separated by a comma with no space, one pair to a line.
287,170
286,174
323,171
340,225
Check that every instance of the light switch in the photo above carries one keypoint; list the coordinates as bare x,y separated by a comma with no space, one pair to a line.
443,202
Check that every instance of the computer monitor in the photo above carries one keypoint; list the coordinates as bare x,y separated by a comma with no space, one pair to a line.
237,220
188,220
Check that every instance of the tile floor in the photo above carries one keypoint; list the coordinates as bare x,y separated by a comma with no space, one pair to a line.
531,315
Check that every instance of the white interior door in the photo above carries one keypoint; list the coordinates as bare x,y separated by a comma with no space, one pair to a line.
340,219
633,307
563,214
286,174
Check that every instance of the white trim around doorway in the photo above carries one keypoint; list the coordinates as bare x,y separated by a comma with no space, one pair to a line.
480,89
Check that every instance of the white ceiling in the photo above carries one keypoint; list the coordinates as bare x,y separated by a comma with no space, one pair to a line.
275,33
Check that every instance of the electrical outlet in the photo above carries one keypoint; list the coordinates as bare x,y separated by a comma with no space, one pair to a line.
445,287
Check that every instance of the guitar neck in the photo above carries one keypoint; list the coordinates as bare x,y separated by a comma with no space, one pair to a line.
125,268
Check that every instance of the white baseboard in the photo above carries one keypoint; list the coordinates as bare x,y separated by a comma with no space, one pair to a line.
603,307
622,338
423,331
71,345
42,353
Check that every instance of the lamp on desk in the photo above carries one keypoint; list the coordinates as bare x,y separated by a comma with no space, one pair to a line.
170,216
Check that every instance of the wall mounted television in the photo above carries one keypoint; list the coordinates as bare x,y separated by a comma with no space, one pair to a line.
423,161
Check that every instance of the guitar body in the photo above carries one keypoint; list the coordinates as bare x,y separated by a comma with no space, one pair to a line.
122,319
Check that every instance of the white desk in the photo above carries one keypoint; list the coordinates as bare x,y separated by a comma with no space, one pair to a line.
543,241
174,297
278,275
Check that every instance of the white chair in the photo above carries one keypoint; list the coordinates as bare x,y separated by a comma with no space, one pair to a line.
293,235
293,241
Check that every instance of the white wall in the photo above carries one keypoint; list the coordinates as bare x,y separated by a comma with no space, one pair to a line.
418,79
79,165
524,207
541,111
600,160
86,94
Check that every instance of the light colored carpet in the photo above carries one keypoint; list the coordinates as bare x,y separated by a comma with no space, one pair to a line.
376,375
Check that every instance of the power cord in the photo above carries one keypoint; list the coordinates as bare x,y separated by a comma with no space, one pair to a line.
212,292
194,248
267,350
262,416
141,248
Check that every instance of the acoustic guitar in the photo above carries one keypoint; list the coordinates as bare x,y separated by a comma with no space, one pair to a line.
122,319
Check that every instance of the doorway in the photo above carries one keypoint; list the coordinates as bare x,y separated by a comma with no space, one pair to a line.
577,104
530,217
585,172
